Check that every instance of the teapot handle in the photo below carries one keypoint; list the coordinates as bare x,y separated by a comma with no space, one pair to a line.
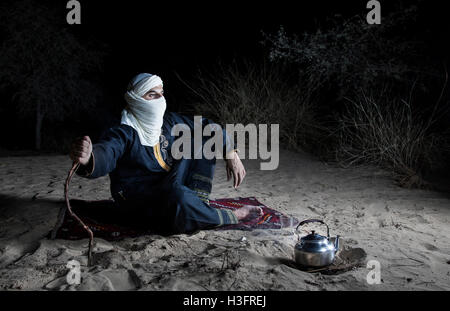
307,221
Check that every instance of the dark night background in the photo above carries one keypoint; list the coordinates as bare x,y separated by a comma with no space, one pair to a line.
175,39
178,36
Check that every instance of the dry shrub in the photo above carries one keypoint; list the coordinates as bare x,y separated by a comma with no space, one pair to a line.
386,131
259,94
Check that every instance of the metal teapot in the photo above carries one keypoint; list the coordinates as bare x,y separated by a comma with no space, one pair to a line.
314,250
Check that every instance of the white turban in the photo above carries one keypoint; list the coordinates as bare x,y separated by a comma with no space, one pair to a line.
145,116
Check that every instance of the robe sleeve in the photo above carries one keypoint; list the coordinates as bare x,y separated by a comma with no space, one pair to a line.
228,142
106,152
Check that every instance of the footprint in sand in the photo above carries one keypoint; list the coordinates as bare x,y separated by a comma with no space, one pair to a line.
430,247
420,219
316,211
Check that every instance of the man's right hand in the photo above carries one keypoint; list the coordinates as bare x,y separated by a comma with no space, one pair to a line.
81,150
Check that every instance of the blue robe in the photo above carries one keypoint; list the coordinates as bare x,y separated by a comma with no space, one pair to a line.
167,195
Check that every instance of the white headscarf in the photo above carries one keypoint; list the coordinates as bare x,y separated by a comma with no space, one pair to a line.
145,116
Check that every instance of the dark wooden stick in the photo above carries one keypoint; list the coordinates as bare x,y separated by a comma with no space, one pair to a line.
66,194
59,222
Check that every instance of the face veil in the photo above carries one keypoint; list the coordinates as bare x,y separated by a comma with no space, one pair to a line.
145,116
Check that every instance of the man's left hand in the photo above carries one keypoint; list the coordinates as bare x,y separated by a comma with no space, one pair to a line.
236,169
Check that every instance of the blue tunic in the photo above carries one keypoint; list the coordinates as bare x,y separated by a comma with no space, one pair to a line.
147,179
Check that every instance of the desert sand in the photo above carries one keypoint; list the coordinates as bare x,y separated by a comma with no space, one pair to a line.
406,231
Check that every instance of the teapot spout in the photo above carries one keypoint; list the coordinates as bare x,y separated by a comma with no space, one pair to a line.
336,244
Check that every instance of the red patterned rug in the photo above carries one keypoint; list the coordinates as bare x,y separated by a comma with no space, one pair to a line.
271,219
102,219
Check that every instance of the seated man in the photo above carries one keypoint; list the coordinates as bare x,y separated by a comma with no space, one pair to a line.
167,195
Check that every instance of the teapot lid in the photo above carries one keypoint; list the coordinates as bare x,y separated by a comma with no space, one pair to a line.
314,237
